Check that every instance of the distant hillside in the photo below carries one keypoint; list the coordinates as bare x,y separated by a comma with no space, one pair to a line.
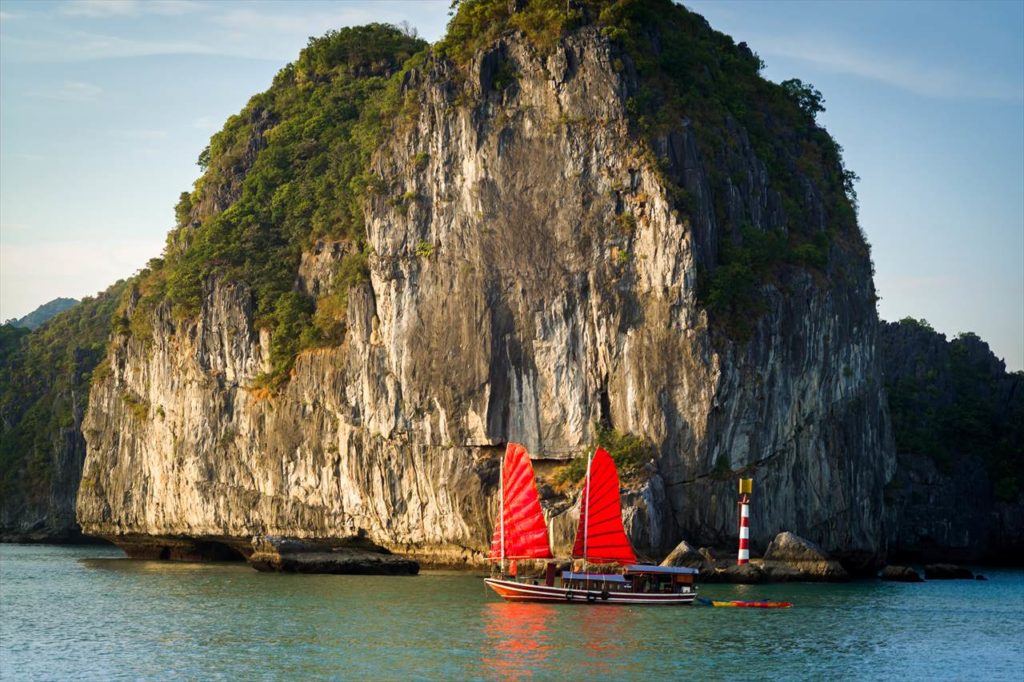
958,421
44,388
43,313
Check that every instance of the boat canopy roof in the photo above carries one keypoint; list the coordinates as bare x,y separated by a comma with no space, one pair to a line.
644,568
595,577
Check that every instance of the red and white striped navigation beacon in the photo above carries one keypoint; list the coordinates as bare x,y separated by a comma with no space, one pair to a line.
746,487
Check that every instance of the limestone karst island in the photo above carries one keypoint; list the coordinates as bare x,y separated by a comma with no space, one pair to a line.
575,299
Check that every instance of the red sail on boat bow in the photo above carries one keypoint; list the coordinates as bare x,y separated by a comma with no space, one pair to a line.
601,537
525,533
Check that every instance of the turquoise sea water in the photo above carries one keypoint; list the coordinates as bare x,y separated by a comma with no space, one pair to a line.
87,613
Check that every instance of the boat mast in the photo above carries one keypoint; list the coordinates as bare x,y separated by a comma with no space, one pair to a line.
586,517
501,517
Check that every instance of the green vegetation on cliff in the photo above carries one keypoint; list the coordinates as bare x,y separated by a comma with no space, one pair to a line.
289,169
629,452
44,387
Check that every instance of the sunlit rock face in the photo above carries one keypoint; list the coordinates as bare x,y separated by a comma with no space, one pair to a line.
529,278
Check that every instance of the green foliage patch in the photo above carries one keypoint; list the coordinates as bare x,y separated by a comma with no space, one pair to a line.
293,167
629,452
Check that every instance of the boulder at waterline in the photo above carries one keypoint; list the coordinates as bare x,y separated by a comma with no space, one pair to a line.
947,572
747,574
689,556
901,574
792,558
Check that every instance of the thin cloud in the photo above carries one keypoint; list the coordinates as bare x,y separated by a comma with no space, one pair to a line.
70,91
900,73
248,19
128,8
204,123
21,156
19,228
140,134
84,46
99,8
170,8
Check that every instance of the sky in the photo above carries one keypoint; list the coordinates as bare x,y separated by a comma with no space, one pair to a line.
106,104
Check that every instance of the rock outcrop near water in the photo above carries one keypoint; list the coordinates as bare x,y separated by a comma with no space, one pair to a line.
789,558
958,494
792,558
900,574
535,265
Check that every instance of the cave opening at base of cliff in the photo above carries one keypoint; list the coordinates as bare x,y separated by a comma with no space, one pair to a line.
211,550
200,550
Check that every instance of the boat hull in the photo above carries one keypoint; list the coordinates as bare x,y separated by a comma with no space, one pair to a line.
511,590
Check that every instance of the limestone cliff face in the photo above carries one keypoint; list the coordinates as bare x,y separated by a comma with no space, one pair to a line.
530,276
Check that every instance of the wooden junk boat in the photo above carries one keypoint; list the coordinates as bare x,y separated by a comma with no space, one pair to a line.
600,539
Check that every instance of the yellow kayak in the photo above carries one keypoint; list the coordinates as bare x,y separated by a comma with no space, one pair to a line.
754,604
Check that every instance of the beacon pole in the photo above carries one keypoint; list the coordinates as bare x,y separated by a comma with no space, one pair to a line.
746,487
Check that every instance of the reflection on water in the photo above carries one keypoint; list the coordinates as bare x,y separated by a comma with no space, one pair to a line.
527,639
122,565
604,633
517,637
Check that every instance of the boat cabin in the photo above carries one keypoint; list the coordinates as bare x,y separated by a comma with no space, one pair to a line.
660,579
612,582
637,578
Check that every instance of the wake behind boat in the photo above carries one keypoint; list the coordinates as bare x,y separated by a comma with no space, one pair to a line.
601,538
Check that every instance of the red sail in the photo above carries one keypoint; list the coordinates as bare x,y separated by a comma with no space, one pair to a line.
601,529
526,536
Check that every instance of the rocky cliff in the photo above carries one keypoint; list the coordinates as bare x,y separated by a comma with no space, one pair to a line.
958,493
539,256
